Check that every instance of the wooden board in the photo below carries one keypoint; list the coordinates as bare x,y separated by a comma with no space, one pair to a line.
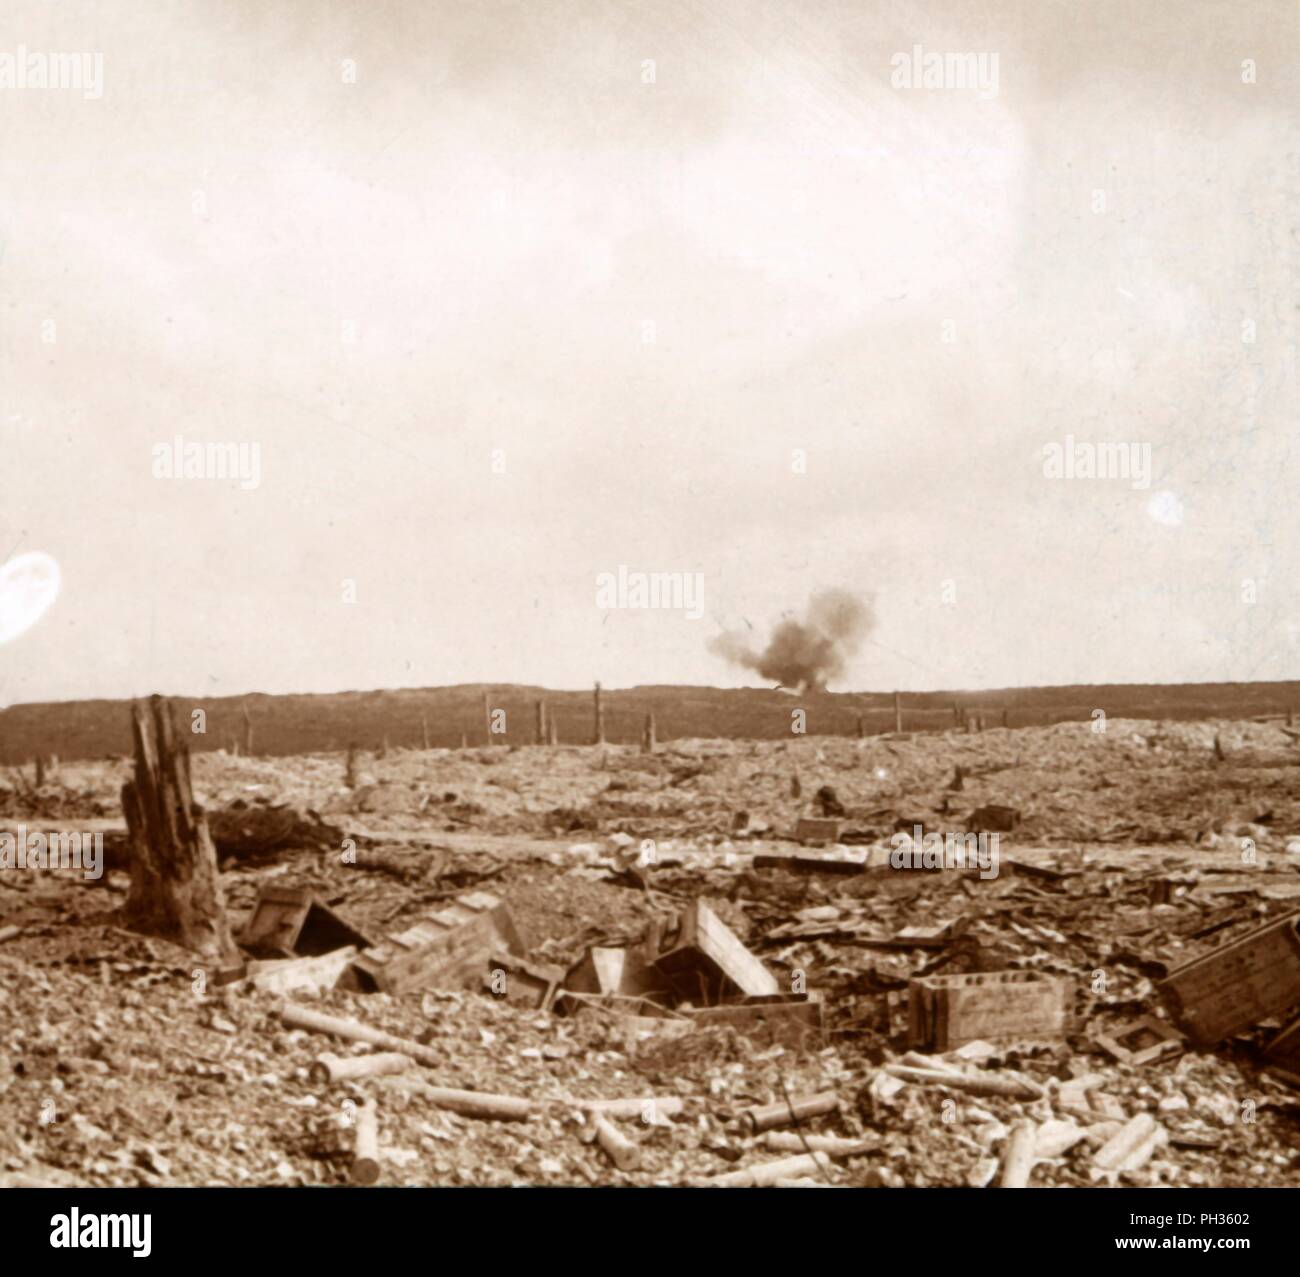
816,831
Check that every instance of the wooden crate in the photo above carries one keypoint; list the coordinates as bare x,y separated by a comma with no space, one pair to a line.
705,960
1233,987
448,949
946,1010
290,922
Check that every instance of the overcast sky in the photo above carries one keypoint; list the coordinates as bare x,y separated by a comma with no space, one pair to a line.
504,307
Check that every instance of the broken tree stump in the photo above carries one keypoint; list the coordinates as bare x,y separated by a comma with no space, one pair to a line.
175,889
600,718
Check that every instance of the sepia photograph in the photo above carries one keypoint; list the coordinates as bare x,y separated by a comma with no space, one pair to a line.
648,594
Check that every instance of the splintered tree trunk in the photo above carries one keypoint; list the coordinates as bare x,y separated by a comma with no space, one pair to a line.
540,709
600,718
175,890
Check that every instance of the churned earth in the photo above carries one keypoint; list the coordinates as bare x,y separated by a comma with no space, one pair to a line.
1139,846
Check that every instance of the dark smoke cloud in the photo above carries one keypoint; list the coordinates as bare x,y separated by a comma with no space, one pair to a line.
805,654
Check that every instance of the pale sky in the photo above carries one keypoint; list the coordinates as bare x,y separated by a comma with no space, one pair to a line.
761,316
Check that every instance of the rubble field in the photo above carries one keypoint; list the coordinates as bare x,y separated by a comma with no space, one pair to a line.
522,936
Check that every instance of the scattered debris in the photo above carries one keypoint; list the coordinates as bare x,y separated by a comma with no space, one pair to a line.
725,1003
1141,1042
